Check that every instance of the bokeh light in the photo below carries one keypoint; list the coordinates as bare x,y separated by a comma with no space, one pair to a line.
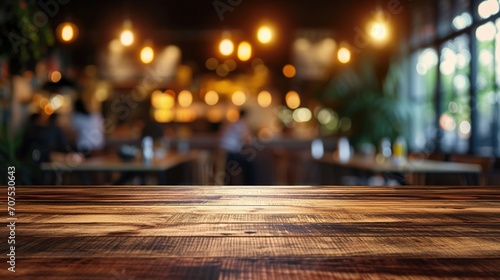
465,128
55,76
222,70
147,55
163,115
379,31
161,100
230,63
185,115
289,71
292,99
302,115
486,32
487,8
447,122
211,97
448,61
244,51
233,115
215,115
226,47
344,55
67,32
56,101
265,34
239,98
211,63
127,37
462,21
264,99
185,98
48,109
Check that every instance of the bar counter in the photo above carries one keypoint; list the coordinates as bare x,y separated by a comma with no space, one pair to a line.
255,232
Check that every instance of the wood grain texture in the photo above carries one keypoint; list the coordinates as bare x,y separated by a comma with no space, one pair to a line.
258,232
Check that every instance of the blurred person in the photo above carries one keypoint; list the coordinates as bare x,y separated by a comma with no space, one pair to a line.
44,141
89,129
36,144
234,136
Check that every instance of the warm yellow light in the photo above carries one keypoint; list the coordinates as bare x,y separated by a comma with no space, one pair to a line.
164,115
147,55
161,100
244,51
239,98
226,47
42,102
48,109
215,115
265,35
289,71
127,37
211,97
185,115
344,55
232,115
185,98
292,99
379,31
264,99
55,76
56,101
67,32
115,46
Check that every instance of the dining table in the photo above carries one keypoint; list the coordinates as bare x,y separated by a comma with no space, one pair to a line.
414,170
111,162
252,232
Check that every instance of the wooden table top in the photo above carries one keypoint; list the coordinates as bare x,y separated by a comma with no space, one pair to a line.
255,232
113,163
411,165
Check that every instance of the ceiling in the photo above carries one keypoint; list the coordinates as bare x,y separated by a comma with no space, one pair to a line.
195,25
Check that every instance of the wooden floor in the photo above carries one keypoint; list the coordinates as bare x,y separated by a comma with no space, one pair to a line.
264,232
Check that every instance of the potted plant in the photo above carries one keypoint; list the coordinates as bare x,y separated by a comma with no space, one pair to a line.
372,101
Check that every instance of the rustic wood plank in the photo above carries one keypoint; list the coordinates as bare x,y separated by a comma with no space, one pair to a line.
258,232
144,228
261,247
245,268
337,216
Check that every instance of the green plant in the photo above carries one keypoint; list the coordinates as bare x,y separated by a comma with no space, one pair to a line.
372,101
27,35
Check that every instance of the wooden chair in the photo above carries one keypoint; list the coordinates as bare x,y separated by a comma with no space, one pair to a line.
425,179
486,164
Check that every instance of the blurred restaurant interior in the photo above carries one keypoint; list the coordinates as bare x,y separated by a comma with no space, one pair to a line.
334,92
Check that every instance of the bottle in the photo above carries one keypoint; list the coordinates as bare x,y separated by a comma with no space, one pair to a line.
384,152
344,149
399,155
147,149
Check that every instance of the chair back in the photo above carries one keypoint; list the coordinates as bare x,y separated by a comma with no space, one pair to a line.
486,163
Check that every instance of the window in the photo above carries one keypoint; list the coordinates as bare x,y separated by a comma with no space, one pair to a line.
424,87
457,30
454,120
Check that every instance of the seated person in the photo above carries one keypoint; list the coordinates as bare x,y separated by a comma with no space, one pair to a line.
88,128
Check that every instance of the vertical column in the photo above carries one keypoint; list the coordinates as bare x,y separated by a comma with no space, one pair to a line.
473,143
